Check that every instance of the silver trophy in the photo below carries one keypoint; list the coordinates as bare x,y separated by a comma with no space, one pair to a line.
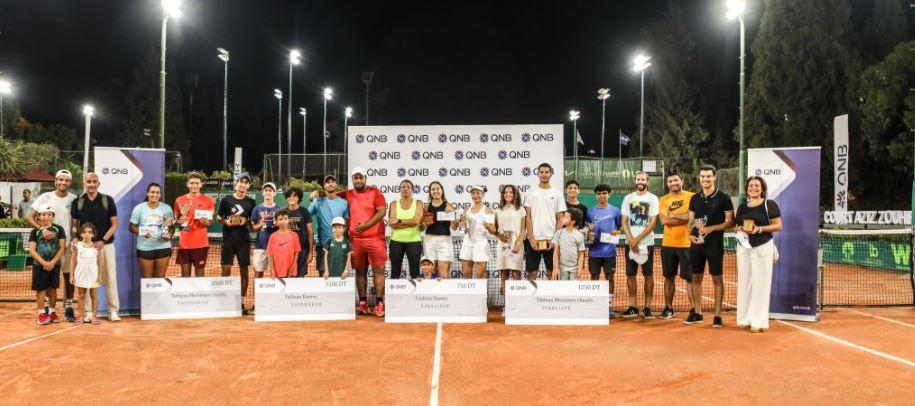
698,224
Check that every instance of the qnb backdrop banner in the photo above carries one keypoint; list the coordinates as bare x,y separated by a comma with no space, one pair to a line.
793,179
840,162
458,156
124,174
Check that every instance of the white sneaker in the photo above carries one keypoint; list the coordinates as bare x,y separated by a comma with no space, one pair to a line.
113,316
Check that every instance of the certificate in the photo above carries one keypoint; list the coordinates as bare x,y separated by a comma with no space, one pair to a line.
444,216
557,303
434,301
190,298
203,214
303,299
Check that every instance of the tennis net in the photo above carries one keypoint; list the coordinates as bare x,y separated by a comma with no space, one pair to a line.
866,268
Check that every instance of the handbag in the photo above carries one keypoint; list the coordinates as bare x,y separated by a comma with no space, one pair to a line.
774,247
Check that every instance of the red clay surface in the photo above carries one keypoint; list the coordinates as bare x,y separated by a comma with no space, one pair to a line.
238,361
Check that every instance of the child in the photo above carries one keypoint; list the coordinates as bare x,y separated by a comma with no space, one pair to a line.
264,224
283,247
338,251
46,246
85,265
427,267
569,259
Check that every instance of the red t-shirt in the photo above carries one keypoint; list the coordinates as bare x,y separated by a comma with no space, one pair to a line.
362,206
195,234
284,248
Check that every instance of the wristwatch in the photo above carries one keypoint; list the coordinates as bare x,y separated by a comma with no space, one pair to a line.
399,221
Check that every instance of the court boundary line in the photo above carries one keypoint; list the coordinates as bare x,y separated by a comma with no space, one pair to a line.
887,319
436,366
850,344
14,312
26,341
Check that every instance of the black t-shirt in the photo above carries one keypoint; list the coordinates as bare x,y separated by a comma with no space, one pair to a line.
437,227
760,218
230,206
583,209
47,248
712,208
94,212
298,221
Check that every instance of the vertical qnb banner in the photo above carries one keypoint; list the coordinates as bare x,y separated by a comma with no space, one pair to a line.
793,179
456,156
124,174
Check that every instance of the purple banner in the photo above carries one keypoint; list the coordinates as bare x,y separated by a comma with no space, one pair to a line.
793,179
124,174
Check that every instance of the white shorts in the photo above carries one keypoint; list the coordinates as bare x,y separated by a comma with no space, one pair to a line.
479,253
438,247
259,260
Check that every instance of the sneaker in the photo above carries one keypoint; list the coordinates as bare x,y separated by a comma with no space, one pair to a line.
717,322
363,307
667,313
612,315
244,312
693,318
43,319
53,317
379,309
251,311
646,313
113,316
69,314
630,313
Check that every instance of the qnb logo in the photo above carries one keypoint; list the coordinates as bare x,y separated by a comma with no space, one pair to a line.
459,189
458,171
484,138
454,138
526,171
459,155
373,138
442,138
417,190
413,138
115,171
503,154
415,155
500,137
377,172
401,172
401,138
526,137
484,171
768,171
360,138
471,155
431,155
373,155
388,155
498,171
442,172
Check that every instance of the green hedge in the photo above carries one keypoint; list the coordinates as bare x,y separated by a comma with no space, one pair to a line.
14,223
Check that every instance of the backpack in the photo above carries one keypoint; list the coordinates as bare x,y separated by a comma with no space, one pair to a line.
82,200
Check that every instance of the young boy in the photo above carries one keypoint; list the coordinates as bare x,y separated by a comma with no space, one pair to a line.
283,248
338,251
426,268
263,217
46,246
569,260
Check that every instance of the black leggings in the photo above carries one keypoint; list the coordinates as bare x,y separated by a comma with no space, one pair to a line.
413,250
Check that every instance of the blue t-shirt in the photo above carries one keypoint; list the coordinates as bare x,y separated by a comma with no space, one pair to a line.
263,235
605,220
151,221
323,211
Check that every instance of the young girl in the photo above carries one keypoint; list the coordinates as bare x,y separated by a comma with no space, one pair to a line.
85,265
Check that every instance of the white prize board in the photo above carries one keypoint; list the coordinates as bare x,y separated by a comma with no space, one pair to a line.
190,298
304,299
576,303
434,301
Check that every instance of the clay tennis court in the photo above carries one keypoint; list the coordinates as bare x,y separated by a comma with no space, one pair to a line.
238,361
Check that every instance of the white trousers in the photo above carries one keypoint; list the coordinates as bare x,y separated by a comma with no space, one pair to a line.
754,284
108,275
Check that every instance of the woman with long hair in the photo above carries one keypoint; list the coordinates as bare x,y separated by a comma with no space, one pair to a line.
510,232
151,222
438,221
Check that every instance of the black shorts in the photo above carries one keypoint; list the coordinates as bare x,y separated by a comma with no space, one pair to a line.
235,249
44,280
595,264
196,256
632,267
532,258
673,259
712,253
155,254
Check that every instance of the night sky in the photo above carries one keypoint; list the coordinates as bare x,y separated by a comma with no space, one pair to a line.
460,62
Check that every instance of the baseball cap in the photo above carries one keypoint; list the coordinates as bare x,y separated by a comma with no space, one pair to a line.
478,187
358,170
329,177
639,257
45,208
338,220
63,172
269,184
244,175
425,259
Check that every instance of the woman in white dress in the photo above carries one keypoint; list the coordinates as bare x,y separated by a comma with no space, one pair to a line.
85,275
510,232
477,221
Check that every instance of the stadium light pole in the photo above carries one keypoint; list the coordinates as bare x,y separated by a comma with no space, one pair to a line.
294,59
639,64
170,8
88,111
5,88
328,94
574,115
224,56
279,129
347,114
304,113
735,9
602,94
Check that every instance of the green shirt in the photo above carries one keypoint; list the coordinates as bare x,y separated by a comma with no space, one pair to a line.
336,255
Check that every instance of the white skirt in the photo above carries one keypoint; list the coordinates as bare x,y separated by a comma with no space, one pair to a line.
86,274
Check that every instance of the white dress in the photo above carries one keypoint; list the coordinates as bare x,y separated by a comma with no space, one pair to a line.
86,272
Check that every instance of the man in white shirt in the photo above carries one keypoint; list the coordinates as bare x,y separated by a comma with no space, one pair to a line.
60,199
544,206
640,215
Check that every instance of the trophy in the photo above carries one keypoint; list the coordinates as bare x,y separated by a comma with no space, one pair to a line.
748,225
698,224
185,208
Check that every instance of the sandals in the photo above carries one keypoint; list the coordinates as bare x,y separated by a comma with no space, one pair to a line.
95,320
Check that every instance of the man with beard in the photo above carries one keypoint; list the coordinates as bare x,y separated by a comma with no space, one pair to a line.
60,199
100,210
640,215
323,211
710,213
674,215
367,207
544,206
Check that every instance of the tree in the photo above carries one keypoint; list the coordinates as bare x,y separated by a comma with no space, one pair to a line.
10,116
884,29
804,73
63,137
142,100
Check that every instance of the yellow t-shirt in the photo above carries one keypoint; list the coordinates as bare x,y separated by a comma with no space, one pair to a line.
675,236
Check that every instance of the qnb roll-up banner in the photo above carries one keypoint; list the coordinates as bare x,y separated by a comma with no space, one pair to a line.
124,174
793,179
458,156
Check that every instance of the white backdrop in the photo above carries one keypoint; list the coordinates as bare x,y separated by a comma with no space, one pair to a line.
458,156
